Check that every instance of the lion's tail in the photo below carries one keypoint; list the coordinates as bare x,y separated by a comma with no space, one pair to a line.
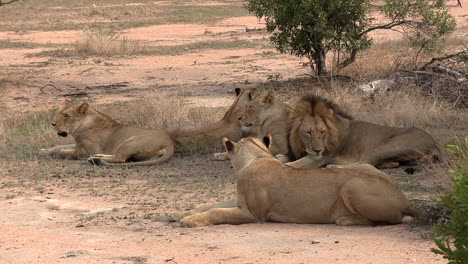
410,211
169,151
441,155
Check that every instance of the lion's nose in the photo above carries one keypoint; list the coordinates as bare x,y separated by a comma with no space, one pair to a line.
53,124
317,150
240,118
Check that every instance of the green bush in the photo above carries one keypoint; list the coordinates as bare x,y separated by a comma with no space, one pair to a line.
453,241
312,28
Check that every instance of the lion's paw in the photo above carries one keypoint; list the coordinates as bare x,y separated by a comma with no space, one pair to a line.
45,152
221,156
193,221
176,217
282,158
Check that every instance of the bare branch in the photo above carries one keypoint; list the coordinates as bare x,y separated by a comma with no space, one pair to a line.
463,52
9,2
385,26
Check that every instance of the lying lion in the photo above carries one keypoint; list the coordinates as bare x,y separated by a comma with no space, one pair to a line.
323,134
111,143
106,140
265,115
268,190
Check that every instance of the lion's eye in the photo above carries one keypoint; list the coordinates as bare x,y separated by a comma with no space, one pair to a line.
323,133
309,133
66,116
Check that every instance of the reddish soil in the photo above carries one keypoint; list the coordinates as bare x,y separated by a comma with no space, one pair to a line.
48,229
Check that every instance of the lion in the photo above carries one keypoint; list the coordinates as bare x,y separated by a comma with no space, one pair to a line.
270,191
228,126
94,140
324,134
106,140
265,115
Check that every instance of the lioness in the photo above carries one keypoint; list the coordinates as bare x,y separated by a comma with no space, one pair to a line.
106,140
269,190
324,134
228,126
269,116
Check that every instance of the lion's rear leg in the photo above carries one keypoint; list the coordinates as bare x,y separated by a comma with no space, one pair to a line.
378,202
353,220
410,147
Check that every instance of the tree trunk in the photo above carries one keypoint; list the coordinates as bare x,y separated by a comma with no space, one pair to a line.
319,59
321,62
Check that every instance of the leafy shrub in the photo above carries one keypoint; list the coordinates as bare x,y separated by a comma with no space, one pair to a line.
453,244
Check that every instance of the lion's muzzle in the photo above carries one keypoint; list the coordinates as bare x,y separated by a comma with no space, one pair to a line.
315,153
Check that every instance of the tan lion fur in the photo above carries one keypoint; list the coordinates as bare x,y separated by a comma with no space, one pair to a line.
270,191
266,115
228,126
106,140
93,139
324,134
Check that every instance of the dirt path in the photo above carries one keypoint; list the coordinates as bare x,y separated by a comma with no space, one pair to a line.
41,230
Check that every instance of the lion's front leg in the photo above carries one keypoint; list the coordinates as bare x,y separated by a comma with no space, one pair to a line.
221,156
74,154
176,217
231,216
70,151
55,150
305,162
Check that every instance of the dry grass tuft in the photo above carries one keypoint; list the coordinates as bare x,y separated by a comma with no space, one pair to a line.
108,43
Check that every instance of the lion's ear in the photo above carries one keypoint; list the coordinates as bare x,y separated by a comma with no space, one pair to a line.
229,145
269,97
253,93
82,108
237,91
267,141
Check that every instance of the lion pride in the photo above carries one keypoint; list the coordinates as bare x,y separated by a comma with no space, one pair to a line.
105,141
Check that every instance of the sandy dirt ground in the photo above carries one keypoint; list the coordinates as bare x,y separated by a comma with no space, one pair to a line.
48,227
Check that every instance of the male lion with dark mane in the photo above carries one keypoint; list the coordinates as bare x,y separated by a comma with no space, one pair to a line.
270,191
324,134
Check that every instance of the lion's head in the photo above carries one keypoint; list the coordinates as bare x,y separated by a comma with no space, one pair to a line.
69,117
257,111
316,127
246,149
238,107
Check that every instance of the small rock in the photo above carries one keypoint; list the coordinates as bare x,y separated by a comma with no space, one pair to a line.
315,242
336,241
